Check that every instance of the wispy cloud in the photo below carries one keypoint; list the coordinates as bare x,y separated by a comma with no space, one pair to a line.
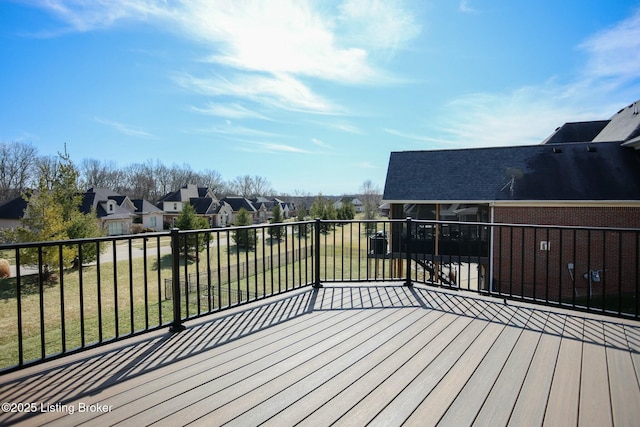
270,147
465,7
124,129
615,52
367,165
528,115
231,130
377,24
83,15
231,110
268,47
409,135
321,144
280,91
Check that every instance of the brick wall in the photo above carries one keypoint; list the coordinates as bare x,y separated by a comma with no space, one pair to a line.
526,258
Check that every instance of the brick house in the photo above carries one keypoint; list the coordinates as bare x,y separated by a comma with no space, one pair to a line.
584,174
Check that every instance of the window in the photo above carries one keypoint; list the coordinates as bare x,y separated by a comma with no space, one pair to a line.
115,228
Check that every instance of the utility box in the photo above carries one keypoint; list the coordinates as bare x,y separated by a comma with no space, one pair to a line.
378,244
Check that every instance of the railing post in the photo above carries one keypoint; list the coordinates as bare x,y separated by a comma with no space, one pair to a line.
408,253
177,325
316,255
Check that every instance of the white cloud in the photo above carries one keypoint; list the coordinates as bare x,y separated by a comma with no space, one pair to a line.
268,47
377,24
284,36
465,7
124,129
530,114
367,165
84,15
232,111
413,136
321,144
274,148
281,91
233,131
615,52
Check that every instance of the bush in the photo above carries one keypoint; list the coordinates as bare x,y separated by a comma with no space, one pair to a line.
5,269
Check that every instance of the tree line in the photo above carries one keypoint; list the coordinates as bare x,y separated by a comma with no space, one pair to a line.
22,168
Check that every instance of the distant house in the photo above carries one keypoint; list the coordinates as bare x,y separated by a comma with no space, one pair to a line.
116,213
584,174
205,203
264,207
11,213
147,214
357,204
238,202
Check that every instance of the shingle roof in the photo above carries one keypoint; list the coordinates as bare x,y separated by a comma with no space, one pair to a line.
204,205
13,209
145,206
237,203
550,172
577,132
623,126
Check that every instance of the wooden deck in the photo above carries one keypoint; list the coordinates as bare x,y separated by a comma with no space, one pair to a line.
356,354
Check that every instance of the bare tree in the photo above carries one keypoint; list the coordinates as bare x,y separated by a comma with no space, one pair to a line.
17,168
371,198
141,183
181,176
94,173
213,180
163,180
251,186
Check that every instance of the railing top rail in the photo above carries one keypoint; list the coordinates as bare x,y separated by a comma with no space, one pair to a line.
167,233
5,246
486,224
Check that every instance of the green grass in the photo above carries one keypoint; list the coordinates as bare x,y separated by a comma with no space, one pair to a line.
121,291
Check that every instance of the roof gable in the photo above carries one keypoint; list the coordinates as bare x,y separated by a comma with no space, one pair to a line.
13,209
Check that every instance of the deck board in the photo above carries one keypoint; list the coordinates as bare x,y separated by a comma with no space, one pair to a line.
595,409
533,396
464,407
562,406
625,392
505,389
353,354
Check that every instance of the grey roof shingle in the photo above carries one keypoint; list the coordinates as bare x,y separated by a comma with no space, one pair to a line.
577,132
551,172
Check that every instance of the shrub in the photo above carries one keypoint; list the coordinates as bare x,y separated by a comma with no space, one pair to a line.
5,269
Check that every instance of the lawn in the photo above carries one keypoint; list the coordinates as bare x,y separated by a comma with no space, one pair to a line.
126,294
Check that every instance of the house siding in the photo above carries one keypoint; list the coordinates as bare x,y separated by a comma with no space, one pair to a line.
523,267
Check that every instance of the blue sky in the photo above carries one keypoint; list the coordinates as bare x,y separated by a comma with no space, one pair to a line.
312,95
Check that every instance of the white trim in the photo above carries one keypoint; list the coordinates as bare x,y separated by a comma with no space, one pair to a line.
527,203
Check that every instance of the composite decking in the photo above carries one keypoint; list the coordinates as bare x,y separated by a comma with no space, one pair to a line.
351,354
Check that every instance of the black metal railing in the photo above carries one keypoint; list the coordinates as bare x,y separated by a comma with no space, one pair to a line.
67,296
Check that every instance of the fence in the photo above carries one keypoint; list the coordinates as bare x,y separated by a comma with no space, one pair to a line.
68,296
